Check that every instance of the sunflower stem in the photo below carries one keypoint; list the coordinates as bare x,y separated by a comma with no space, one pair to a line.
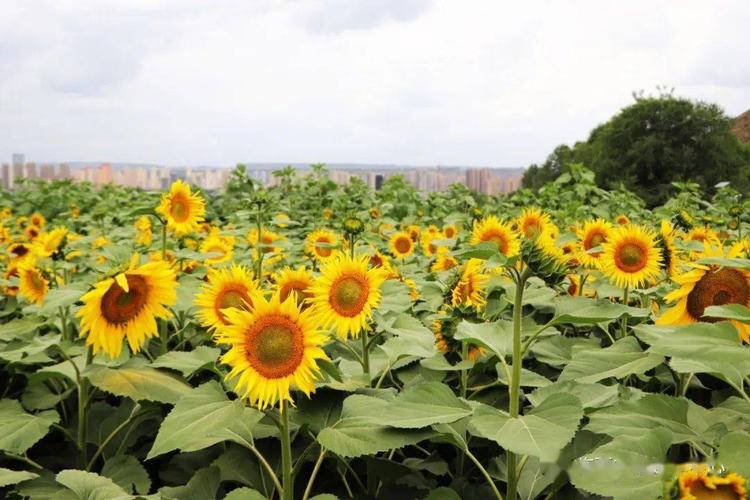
515,382
286,454
259,262
464,372
366,357
624,319
164,241
82,406
314,473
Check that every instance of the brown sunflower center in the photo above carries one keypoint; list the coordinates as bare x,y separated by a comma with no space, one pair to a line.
722,492
376,260
593,241
323,251
716,288
180,208
349,294
119,306
450,232
19,250
231,297
274,346
37,281
266,240
402,244
630,257
498,239
294,286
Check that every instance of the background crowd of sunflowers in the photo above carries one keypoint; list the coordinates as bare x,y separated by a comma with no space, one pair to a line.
320,341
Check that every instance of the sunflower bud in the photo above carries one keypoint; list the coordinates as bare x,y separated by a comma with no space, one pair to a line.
545,259
735,210
353,226
684,220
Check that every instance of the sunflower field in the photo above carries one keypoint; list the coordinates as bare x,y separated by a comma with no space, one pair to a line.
317,341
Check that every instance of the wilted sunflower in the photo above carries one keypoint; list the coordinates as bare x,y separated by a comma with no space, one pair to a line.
183,209
444,262
227,287
48,243
705,286
37,220
145,234
127,306
32,286
500,233
401,245
532,222
221,249
469,291
697,482
299,281
630,256
275,347
346,293
322,244
450,231
593,234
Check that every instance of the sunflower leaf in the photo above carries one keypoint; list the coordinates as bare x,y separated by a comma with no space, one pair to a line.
621,359
20,430
423,405
138,382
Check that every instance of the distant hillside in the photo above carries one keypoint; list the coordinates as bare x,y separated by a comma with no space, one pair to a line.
741,126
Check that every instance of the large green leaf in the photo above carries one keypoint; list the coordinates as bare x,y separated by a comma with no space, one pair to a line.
202,486
737,312
621,359
20,430
360,430
17,328
541,433
200,419
128,473
187,363
62,297
423,405
395,297
138,382
89,486
733,453
626,468
497,337
244,493
590,395
8,477
411,338
582,310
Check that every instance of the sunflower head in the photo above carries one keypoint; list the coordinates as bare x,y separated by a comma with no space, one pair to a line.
545,258
353,226
533,222
346,293
31,284
183,209
500,233
298,281
327,213
699,482
48,243
470,289
37,220
429,248
670,260
414,232
622,220
592,236
444,262
219,249
322,244
631,256
274,348
20,253
401,245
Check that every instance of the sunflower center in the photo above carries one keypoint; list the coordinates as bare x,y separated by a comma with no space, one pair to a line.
403,245
498,239
450,232
232,297
266,240
631,257
294,286
722,492
716,288
594,241
180,208
323,251
274,346
119,306
349,295
37,281
20,251
376,260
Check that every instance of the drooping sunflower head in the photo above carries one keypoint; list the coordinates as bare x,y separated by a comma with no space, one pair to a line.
226,288
450,231
145,234
545,258
50,242
32,286
631,256
346,293
298,281
183,209
444,262
322,244
470,289
532,222
274,348
592,236
219,249
127,306
401,245
670,260
491,229
37,220
698,482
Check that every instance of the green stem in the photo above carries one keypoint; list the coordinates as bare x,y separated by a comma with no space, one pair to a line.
486,475
164,241
82,405
314,473
286,454
112,434
259,263
63,321
624,319
23,458
515,382
464,372
365,356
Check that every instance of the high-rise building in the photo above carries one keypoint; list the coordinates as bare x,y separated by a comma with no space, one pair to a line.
47,172
64,171
31,171
5,176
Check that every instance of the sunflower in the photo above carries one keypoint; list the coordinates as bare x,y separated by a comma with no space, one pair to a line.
703,235
298,281
697,482
281,219
622,220
428,246
327,213
32,286
704,286
31,232
275,347
414,232
532,222
401,245
10,272
592,235
670,260
374,212
469,291
378,259
100,242
47,244
574,286
37,220
500,233
127,306
444,262
475,352
221,248
267,240
450,231
183,210
346,293
145,233
5,236
20,253
226,288
630,256
322,244
6,213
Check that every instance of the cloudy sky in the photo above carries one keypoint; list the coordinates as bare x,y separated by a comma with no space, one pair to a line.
421,82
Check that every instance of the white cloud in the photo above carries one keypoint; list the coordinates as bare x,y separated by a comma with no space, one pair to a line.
411,81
